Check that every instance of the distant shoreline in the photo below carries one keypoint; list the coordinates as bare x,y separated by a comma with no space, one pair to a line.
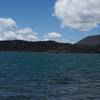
47,46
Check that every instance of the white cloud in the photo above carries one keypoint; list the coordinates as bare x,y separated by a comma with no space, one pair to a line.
27,34
10,35
10,31
79,14
7,24
54,36
24,31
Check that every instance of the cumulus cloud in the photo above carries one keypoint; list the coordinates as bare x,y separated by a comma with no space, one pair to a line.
27,34
54,36
83,15
10,31
7,24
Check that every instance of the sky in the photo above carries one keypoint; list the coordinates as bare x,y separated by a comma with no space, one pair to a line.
39,20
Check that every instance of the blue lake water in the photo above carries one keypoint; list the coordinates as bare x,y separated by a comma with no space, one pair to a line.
45,76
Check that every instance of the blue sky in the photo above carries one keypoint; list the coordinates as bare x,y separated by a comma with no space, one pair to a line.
37,15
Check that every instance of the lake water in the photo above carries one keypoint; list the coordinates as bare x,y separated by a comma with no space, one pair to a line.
45,76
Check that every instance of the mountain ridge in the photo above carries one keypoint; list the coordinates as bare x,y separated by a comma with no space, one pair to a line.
46,46
90,40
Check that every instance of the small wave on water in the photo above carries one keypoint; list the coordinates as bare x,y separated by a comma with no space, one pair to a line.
44,76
